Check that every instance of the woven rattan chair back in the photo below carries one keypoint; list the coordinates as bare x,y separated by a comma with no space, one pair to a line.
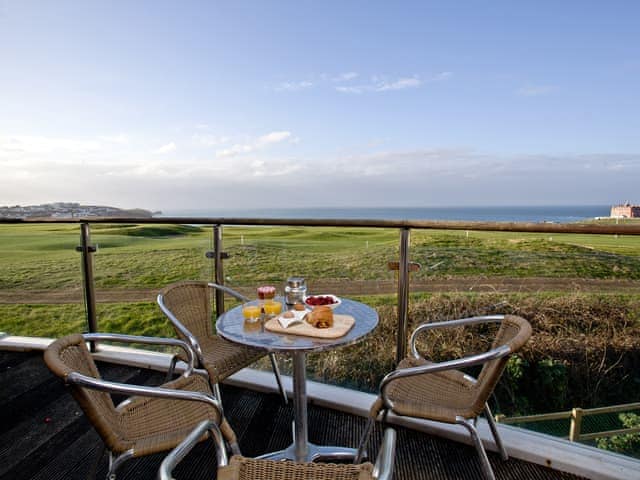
242,468
70,354
514,332
187,304
190,302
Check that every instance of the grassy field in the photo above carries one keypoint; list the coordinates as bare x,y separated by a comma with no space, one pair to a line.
41,257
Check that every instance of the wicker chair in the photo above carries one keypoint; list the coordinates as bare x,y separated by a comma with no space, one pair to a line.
187,304
155,419
243,468
441,392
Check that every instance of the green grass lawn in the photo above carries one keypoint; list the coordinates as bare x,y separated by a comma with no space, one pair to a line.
43,256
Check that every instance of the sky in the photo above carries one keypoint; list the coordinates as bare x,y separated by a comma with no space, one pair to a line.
213,105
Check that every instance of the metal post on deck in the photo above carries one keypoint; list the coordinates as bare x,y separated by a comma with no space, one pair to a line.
218,269
87,276
403,295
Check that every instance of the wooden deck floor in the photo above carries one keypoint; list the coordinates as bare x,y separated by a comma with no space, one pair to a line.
44,434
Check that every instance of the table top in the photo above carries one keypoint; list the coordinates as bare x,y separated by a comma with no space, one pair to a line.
232,326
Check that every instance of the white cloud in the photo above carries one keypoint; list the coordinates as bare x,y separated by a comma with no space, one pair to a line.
167,148
345,77
235,150
119,139
536,90
260,143
274,137
294,86
460,176
31,144
381,84
209,140
357,90
377,83
399,84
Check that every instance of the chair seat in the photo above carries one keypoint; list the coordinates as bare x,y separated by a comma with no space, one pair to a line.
437,396
222,358
150,424
242,468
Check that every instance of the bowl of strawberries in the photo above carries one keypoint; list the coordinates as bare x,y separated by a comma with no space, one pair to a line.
329,300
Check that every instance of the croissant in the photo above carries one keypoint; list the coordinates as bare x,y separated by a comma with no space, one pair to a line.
320,317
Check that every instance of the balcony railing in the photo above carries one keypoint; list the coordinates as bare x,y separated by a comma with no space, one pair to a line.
403,264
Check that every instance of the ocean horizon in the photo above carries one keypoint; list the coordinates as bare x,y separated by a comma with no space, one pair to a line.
529,214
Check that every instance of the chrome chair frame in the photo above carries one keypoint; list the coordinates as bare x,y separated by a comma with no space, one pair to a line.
472,360
195,345
115,462
382,470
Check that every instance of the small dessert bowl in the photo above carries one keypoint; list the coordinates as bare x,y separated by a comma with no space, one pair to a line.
329,300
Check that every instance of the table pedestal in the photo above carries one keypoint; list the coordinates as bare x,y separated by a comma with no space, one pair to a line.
301,450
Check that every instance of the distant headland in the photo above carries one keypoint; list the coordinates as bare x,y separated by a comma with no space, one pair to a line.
71,210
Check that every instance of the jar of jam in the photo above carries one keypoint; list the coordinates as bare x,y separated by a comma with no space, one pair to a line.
266,292
295,290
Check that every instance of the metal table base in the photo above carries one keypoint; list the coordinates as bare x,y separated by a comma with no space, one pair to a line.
314,452
301,450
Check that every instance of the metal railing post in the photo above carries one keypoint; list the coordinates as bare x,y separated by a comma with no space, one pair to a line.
218,269
86,249
403,295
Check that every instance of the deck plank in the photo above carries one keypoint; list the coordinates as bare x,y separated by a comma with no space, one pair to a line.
49,437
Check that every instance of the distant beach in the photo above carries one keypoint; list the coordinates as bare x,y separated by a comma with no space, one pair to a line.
534,214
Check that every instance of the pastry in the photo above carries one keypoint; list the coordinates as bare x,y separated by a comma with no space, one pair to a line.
298,306
320,317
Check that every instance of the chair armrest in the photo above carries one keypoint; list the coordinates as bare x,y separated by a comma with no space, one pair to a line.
172,342
142,390
230,291
383,469
184,331
457,363
450,324
177,454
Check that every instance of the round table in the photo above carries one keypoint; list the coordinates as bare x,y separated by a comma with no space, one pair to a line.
232,326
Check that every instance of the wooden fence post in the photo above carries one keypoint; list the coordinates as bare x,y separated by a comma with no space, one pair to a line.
576,424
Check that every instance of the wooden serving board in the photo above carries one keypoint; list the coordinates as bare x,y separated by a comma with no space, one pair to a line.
341,325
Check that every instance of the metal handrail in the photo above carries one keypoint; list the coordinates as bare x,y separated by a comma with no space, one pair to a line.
585,228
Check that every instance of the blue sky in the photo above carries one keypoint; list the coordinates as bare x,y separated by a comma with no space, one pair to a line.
170,105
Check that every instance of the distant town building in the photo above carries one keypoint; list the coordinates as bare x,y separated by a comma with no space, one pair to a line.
625,211
70,210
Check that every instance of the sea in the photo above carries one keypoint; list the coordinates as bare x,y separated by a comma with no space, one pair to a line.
529,214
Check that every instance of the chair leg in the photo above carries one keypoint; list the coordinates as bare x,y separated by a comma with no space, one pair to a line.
116,463
276,372
363,440
216,391
494,431
484,459
172,369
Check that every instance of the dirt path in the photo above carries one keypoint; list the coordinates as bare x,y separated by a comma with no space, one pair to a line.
363,287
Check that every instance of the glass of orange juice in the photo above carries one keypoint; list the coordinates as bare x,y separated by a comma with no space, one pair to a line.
251,311
272,307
